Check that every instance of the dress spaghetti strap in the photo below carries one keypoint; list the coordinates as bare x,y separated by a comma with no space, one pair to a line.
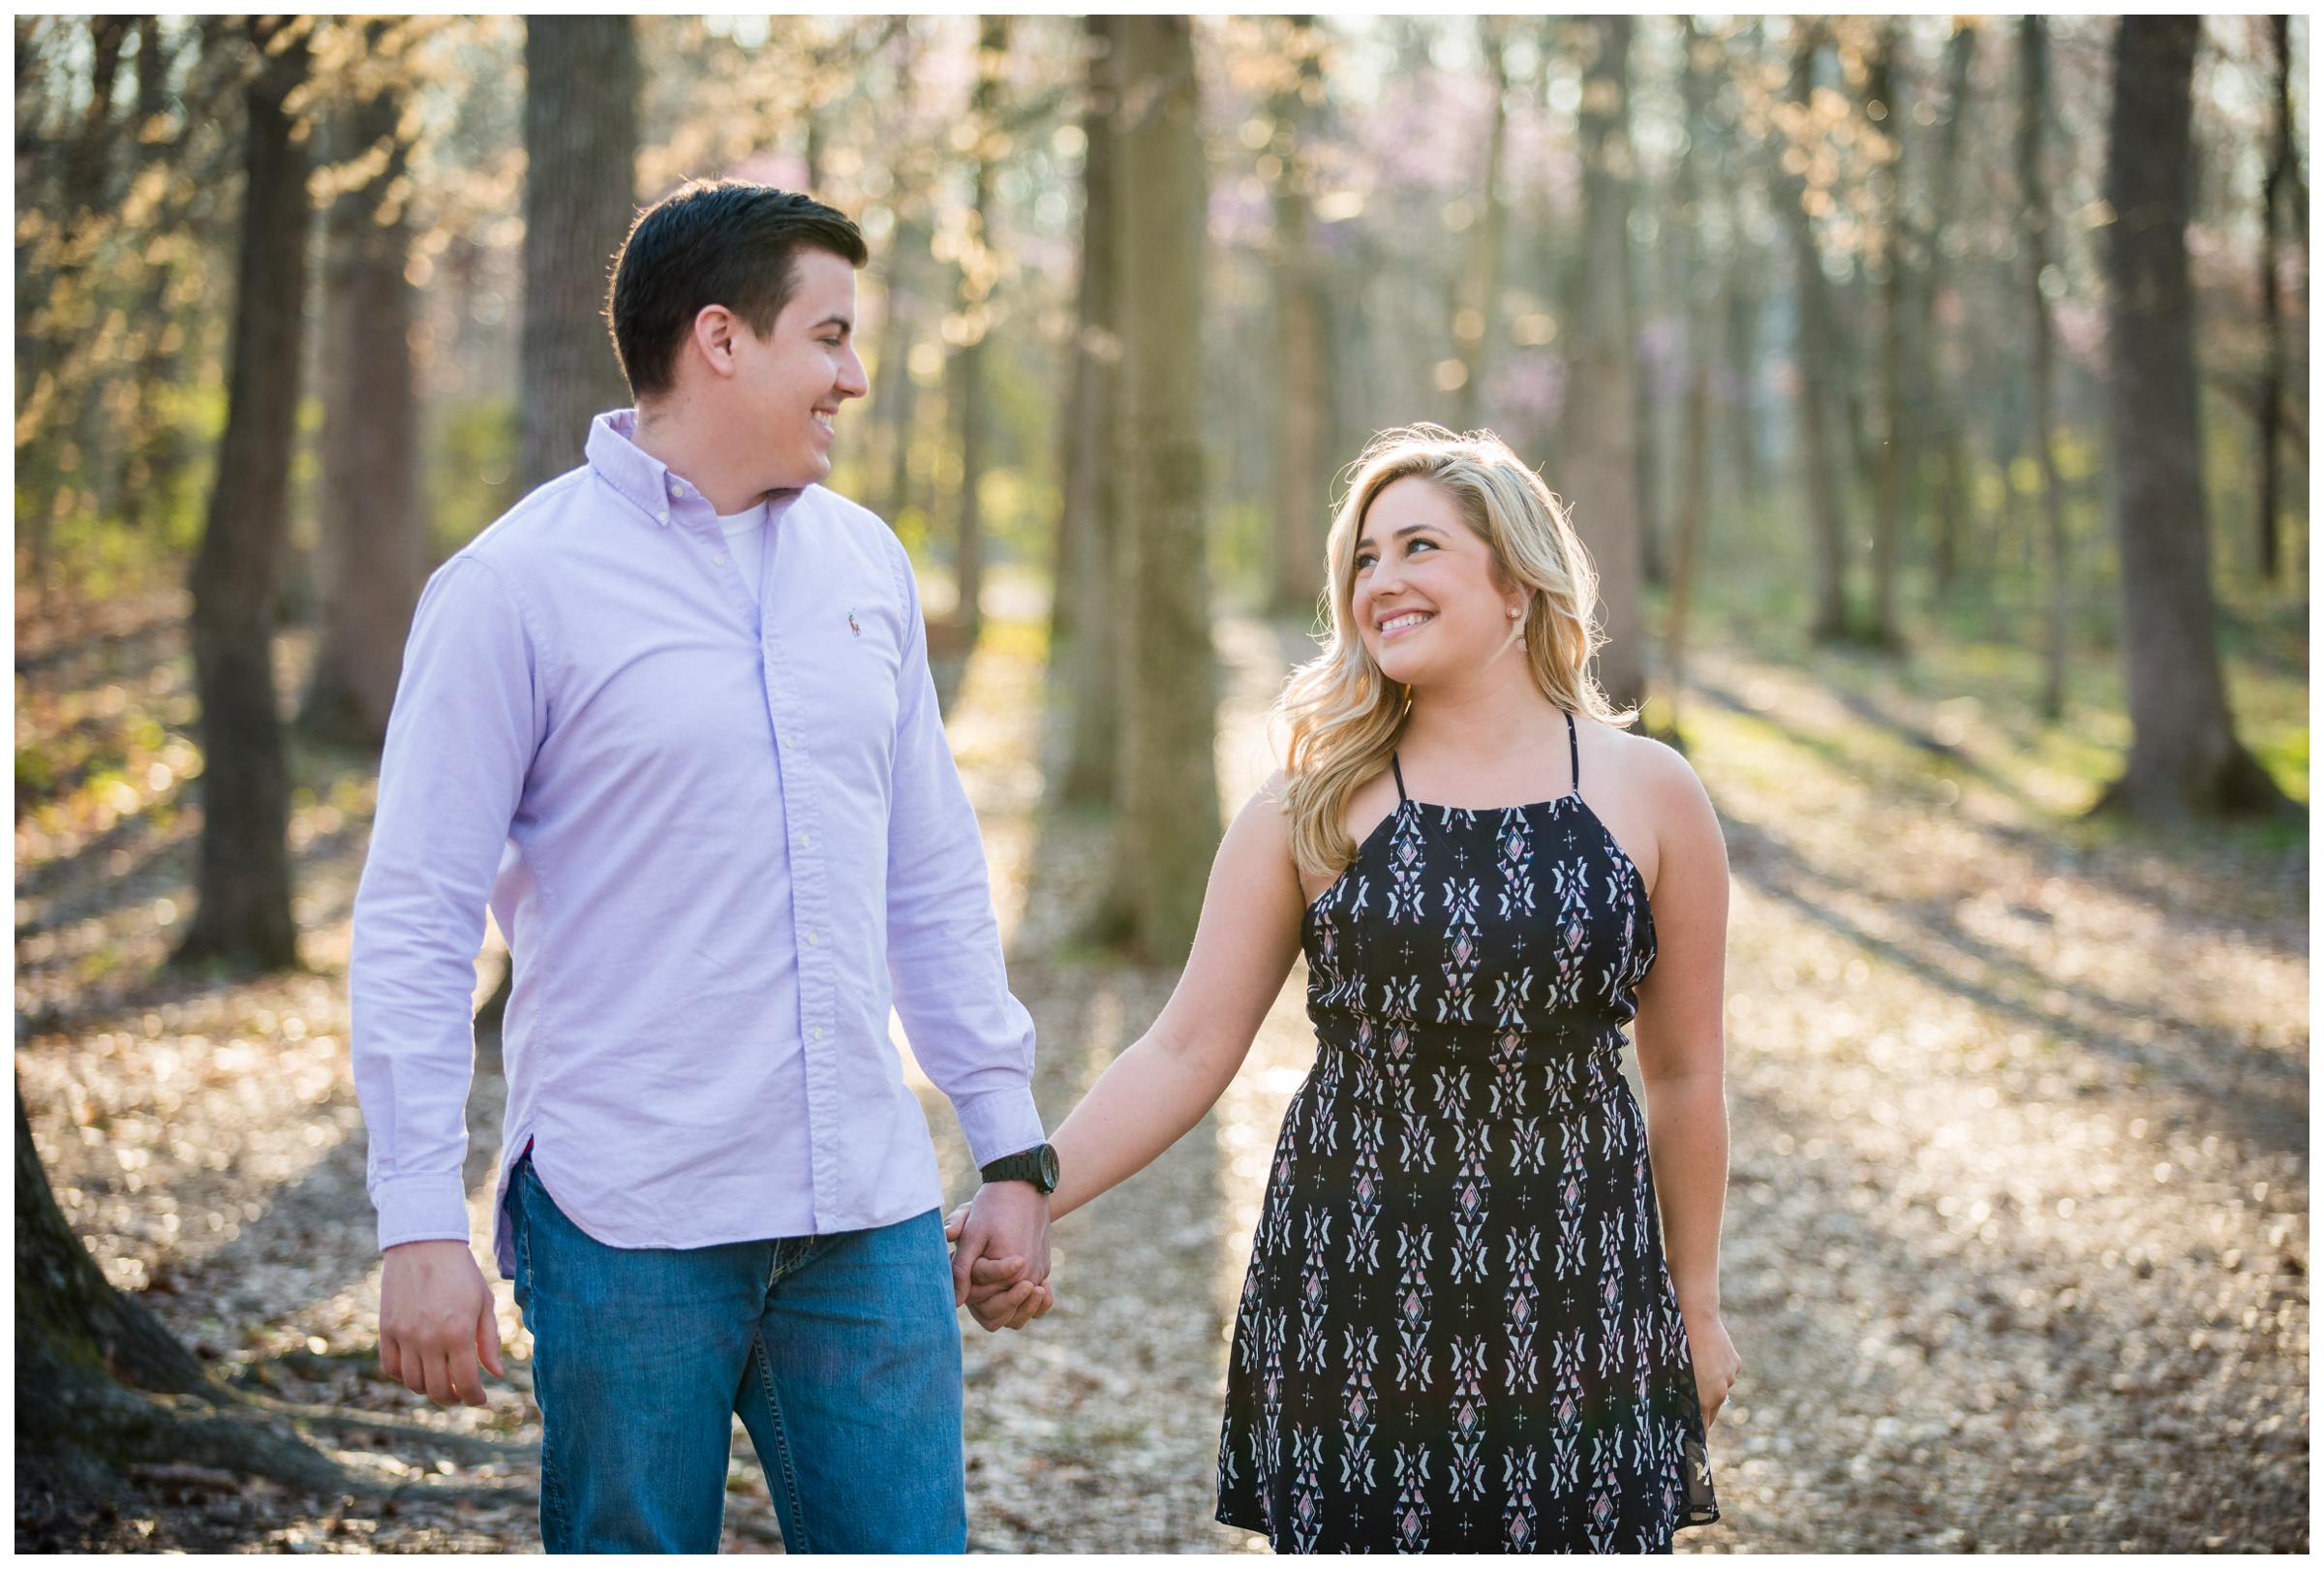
1399,772
1573,745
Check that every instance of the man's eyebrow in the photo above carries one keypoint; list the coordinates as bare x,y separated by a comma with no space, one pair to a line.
839,321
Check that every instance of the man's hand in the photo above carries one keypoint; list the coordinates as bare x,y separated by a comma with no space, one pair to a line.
436,1320
1000,1262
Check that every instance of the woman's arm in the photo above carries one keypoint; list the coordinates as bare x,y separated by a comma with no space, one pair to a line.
1243,945
1682,1060
1679,1030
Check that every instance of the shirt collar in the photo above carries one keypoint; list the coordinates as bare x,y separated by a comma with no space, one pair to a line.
642,478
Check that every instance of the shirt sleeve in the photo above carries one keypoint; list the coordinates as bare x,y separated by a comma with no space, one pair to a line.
967,1030
468,715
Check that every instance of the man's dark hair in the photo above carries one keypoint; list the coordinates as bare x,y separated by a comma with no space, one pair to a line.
712,242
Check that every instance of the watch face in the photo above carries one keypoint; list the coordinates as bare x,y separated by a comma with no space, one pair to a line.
1048,1169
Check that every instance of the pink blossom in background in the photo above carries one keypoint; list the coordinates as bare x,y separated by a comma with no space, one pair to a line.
1662,353
1526,389
1429,132
786,170
2081,328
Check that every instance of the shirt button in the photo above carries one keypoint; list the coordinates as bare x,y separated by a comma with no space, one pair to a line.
814,941
662,512
815,1033
718,556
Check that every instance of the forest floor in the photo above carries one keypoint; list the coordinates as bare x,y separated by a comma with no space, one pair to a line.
2016,1241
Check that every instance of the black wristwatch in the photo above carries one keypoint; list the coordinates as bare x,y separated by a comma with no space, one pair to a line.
1037,1165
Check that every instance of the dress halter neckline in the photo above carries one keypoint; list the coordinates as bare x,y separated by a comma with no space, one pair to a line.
1395,764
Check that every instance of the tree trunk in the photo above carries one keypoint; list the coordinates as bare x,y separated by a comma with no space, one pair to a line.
2184,756
1700,320
1303,391
66,1312
896,399
2034,191
1601,426
1938,400
243,914
156,453
2284,165
1897,451
89,1363
1086,631
1170,817
972,414
581,89
1481,282
1816,340
374,538
1744,281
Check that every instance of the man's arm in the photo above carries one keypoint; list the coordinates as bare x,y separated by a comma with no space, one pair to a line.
468,715
967,1030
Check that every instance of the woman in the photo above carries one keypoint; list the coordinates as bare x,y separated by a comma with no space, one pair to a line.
1458,1330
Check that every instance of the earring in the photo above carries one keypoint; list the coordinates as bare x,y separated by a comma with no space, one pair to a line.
1515,610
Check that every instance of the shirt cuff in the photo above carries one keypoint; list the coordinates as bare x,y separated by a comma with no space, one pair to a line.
428,1206
1001,1122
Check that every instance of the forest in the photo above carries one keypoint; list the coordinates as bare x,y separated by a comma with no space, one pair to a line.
1931,394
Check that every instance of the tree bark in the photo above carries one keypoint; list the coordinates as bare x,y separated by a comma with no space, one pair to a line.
1898,449
1302,393
2034,191
156,452
2184,758
66,1312
970,411
374,538
1938,402
1086,628
1816,338
243,911
91,1361
1480,280
581,88
1168,771
898,394
1744,283
1601,425
1700,320
2284,174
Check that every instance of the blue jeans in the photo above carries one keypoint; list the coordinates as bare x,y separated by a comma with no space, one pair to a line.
840,1353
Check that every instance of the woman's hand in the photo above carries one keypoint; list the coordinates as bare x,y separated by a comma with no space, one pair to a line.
999,1297
1715,1362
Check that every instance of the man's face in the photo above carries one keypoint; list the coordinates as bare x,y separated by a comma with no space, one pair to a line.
791,382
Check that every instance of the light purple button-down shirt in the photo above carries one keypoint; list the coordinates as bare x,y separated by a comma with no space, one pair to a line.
716,831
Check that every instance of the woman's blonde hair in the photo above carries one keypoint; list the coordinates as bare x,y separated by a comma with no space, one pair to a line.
1343,712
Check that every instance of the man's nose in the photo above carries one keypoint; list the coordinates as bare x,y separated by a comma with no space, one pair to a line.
853,383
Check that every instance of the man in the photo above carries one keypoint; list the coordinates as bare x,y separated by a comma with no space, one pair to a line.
672,717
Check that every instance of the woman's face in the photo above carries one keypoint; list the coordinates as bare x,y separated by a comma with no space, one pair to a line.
1425,601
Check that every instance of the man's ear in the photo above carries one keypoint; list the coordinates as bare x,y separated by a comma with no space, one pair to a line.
713,338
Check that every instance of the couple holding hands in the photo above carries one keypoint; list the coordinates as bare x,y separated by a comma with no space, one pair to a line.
671,720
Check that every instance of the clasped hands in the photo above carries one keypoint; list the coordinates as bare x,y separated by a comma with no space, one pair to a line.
1000,1255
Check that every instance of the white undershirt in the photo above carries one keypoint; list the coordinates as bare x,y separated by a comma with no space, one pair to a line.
746,542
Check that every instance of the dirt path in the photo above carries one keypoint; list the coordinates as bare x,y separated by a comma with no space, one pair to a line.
2017,1234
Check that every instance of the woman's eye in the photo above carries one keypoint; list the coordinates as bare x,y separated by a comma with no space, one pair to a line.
1362,561
1419,543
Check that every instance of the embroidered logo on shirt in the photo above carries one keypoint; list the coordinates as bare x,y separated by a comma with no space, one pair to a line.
853,625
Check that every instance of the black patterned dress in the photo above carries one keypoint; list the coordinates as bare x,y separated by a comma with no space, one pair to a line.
1458,1331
